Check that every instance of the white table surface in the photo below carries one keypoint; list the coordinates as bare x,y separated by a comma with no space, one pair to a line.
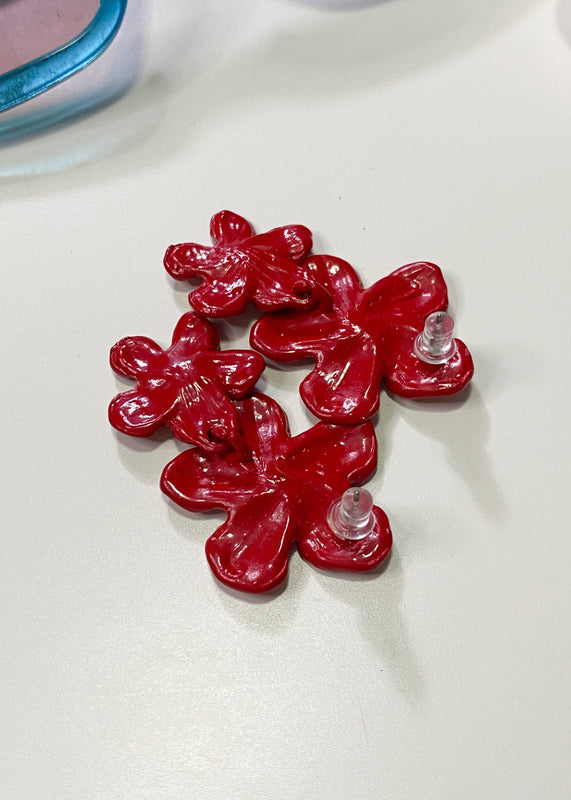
405,130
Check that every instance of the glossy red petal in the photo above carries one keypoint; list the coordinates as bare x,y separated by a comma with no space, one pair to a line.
202,481
291,241
412,377
228,228
334,455
225,294
338,279
319,545
133,355
193,334
406,296
250,551
237,370
265,429
182,261
290,336
344,387
141,413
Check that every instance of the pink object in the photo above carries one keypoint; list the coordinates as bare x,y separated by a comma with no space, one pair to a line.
278,490
31,28
241,266
186,387
359,337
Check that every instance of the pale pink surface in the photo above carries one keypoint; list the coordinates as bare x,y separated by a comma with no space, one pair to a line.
30,28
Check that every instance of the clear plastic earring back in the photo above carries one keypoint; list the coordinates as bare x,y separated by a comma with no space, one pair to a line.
352,516
436,344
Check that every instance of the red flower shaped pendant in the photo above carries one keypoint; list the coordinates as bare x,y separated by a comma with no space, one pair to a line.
277,494
241,266
360,336
187,387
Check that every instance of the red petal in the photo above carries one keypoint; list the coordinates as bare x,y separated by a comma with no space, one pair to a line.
182,261
289,336
344,386
223,296
200,481
193,334
141,414
291,241
228,228
412,377
250,551
133,355
323,549
237,370
339,280
406,296
336,456
265,429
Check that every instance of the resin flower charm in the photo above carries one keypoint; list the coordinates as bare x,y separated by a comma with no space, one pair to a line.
360,336
241,266
186,387
276,491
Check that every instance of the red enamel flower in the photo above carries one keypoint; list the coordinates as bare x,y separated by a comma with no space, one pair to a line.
187,386
278,490
241,266
361,336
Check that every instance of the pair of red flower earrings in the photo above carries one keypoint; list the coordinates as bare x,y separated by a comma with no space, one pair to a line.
278,489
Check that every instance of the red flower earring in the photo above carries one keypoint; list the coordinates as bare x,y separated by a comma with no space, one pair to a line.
241,266
360,336
187,387
279,493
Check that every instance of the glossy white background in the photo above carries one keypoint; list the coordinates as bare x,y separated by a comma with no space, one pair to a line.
397,131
